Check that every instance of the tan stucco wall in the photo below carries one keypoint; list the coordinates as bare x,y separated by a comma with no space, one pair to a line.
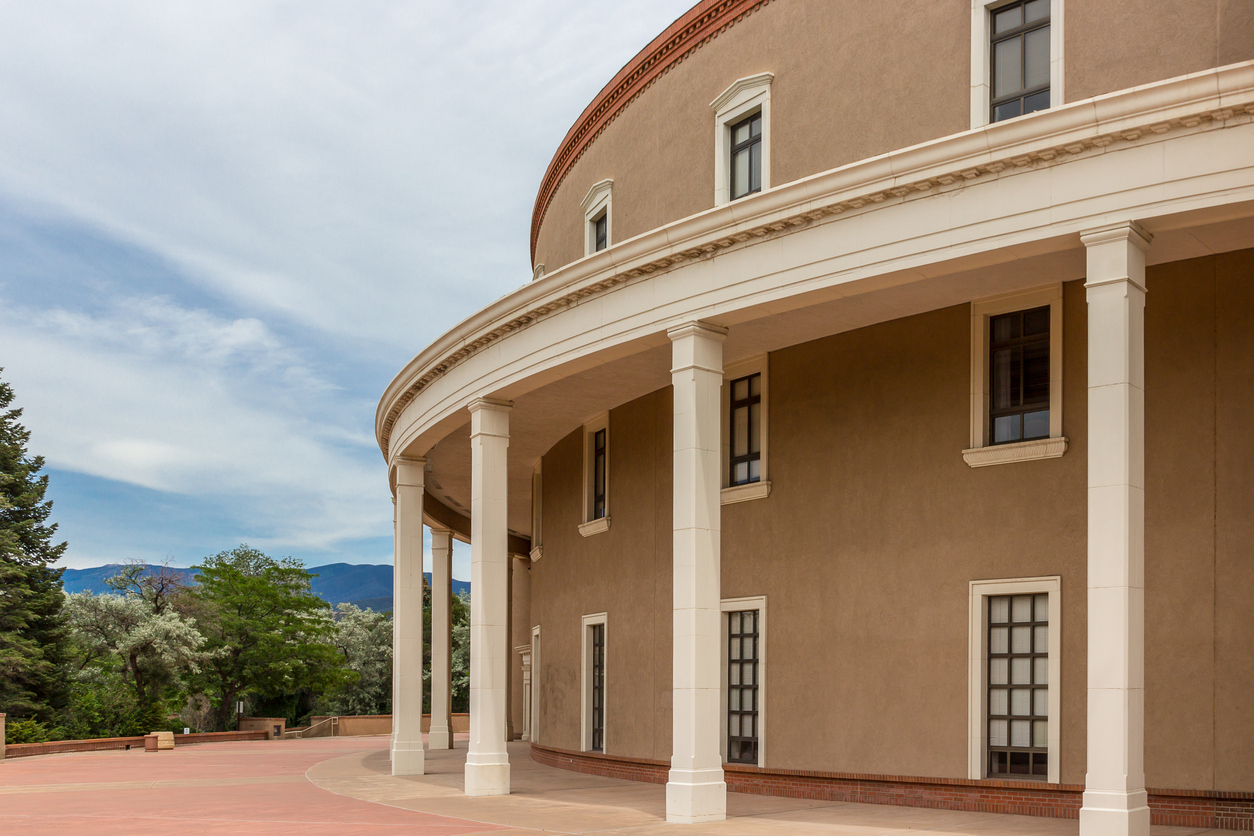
875,526
853,80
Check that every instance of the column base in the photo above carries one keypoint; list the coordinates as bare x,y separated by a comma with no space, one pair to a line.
439,738
696,795
408,758
487,779
1115,814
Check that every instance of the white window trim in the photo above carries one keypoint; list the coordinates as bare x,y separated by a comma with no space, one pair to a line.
981,59
535,684
977,667
744,97
981,453
598,201
590,526
753,602
585,682
537,512
762,488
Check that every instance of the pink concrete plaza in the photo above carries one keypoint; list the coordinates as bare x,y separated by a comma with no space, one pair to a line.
344,786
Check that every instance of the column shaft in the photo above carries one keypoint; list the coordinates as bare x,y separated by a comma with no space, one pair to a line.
487,761
441,734
695,790
1115,802
407,755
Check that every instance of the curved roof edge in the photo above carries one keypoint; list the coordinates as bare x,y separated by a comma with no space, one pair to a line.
703,22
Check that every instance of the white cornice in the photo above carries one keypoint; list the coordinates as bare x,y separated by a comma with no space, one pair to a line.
750,84
595,194
1223,97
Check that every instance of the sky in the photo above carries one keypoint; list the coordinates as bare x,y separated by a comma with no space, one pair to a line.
225,226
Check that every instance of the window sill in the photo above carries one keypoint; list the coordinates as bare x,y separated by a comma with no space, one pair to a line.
1023,451
537,553
594,526
744,493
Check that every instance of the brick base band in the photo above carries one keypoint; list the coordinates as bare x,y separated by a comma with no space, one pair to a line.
59,747
1184,808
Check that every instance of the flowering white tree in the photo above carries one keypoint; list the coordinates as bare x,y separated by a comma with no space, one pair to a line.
365,638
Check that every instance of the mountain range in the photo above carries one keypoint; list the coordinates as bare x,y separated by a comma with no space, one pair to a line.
366,585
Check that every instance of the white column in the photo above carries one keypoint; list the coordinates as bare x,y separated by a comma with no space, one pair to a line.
487,761
395,677
1115,801
695,790
407,756
441,734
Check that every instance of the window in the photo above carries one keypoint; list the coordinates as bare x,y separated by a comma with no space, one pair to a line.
1020,59
746,397
593,713
1016,58
1018,685
742,138
1016,378
597,209
746,430
746,157
1015,625
744,686
1018,370
596,476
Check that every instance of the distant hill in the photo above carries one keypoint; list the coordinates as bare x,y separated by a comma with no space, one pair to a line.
366,585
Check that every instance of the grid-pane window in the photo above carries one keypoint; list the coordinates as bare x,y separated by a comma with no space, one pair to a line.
598,687
746,430
1018,376
1018,686
1020,59
601,232
598,475
743,654
746,156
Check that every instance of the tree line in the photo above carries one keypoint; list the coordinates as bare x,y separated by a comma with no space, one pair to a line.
159,652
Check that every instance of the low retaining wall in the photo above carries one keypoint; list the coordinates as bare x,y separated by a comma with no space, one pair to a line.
367,724
57,747
1181,808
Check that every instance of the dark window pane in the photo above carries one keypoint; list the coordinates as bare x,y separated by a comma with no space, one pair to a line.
1035,10
740,133
1036,424
755,125
1036,58
1036,372
1006,428
1036,322
1006,20
1004,379
1004,328
755,167
1009,110
1035,102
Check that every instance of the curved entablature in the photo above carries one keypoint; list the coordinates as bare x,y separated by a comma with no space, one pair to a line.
932,209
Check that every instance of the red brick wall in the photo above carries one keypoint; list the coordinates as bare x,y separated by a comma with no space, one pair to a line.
57,747
1186,808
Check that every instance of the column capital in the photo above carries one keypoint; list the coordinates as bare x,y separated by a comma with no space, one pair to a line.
489,405
1129,231
410,471
698,328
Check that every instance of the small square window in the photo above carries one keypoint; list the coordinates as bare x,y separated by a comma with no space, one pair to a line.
1018,372
746,156
601,232
745,465
598,210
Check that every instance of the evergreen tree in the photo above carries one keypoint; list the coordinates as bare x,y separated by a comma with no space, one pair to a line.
33,632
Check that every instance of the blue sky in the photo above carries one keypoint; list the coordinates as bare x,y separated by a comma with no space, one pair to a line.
225,226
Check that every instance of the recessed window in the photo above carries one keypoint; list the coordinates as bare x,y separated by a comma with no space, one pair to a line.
1019,373
1020,59
742,686
597,638
746,156
1018,686
601,232
598,474
745,465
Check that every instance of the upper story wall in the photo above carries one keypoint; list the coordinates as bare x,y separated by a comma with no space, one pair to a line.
852,80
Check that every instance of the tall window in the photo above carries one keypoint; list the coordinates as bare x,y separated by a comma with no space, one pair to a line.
746,156
1018,685
601,232
598,687
1018,372
598,475
742,687
746,430
1020,59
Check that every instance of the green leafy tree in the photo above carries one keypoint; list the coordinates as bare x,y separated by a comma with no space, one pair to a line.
364,637
33,633
459,660
266,633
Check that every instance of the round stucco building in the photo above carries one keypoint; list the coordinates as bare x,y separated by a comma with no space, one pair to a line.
876,423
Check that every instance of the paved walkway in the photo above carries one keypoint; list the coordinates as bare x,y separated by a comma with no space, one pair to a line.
343,786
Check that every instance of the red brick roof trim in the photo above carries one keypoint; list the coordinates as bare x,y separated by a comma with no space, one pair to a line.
700,24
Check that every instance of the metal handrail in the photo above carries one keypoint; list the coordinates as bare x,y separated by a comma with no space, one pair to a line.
300,733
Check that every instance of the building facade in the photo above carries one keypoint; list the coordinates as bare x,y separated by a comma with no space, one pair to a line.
876,424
